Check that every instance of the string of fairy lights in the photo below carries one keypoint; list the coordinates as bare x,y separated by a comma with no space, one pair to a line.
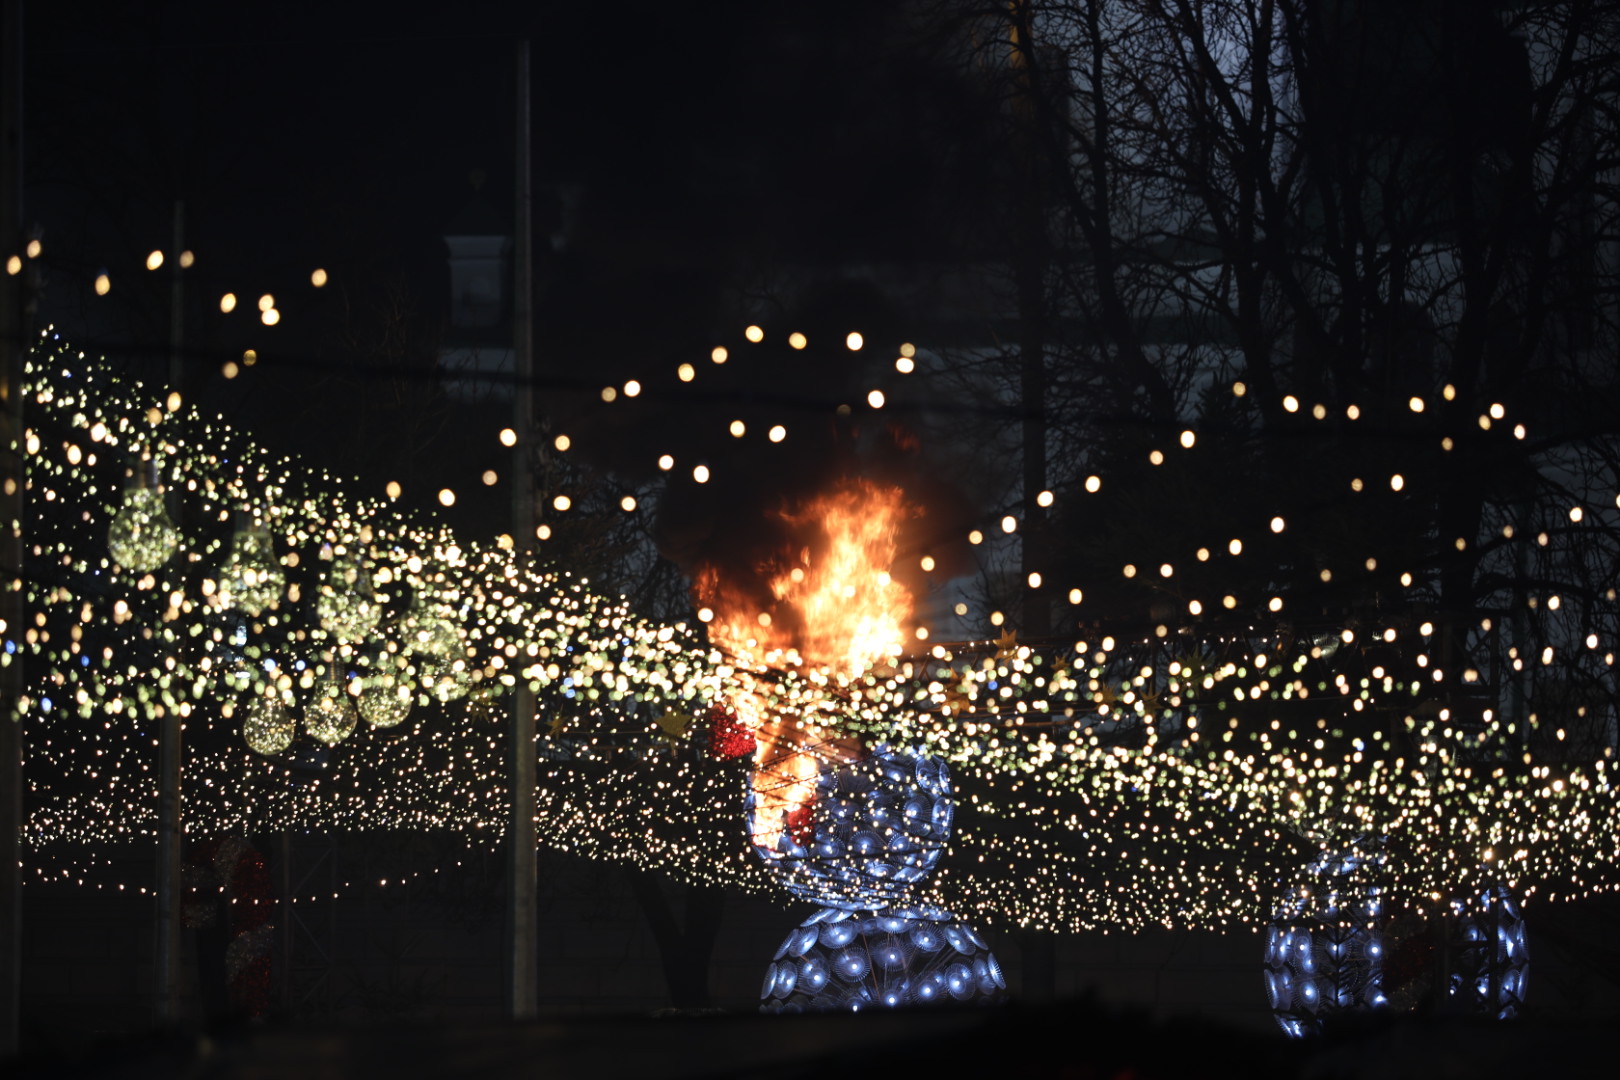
176,565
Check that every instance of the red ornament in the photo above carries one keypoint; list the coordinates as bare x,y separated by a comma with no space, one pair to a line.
800,821
234,866
728,736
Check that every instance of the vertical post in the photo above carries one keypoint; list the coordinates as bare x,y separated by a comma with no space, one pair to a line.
284,919
523,917
11,545
170,828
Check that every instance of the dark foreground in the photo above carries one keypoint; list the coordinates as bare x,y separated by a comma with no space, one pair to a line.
1075,1040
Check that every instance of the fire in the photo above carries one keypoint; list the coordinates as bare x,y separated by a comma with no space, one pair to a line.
832,601
827,600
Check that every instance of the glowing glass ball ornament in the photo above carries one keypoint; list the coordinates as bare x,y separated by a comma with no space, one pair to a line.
434,644
140,536
892,958
268,725
384,701
869,830
1325,947
251,580
347,606
331,717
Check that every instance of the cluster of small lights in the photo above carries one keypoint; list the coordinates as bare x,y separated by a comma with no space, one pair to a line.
272,592
1310,731
1118,780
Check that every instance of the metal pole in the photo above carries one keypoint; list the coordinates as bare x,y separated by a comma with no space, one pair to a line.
170,831
523,989
11,523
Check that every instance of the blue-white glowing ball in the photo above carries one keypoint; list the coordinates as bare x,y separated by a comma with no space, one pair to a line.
1337,946
1490,955
1325,947
839,961
868,831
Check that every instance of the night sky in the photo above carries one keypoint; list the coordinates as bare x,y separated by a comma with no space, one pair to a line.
682,161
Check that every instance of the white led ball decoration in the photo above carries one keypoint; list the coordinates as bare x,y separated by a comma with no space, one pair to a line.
268,725
348,608
251,581
894,958
331,717
1338,946
141,537
869,831
1325,947
1489,954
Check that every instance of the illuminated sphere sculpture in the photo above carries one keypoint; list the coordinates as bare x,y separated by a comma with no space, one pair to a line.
871,830
347,605
251,581
843,960
141,537
865,833
268,726
1337,946
1490,955
331,717
1325,948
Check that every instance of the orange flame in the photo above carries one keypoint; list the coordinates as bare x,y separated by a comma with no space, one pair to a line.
833,602
829,600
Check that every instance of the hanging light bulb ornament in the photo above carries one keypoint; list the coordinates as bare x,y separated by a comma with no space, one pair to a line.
434,644
331,717
268,726
347,606
251,581
385,701
141,537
